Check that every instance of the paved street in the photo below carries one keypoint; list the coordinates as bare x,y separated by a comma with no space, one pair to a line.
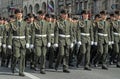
96,73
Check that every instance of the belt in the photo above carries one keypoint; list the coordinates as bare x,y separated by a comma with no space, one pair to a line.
64,36
40,35
52,34
19,37
101,34
117,34
85,34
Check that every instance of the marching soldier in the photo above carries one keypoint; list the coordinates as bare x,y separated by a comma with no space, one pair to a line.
94,47
85,40
51,27
103,39
40,32
74,49
18,41
110,51
9,51
3,41
30,51
63,39
116,34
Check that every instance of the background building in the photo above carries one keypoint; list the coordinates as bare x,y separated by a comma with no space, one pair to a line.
7,7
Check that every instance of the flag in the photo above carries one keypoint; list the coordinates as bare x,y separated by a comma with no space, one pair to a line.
50,8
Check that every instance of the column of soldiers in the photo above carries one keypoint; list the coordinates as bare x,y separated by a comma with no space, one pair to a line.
64,40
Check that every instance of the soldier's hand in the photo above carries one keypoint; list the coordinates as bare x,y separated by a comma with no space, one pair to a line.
9,47
95,43
55,45
4,45
112,42
49,44
92,43
27,45
79,43
109,43
0,44
31,46
71,46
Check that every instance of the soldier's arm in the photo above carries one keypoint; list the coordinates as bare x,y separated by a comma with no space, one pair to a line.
33,33
10,34
26,33
111,32
91,32
108,30
96,32
5,34
56,31
78,35
48,33
71,32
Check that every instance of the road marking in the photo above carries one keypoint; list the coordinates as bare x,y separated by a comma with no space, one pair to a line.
29,75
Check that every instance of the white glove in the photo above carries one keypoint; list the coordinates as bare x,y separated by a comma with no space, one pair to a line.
95,43
92,42
55,45
49,44
27,45
112,42
109,43
79,43
71,46
31,46
4,45
0,44
9,46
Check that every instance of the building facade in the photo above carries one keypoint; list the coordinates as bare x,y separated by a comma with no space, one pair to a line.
7,7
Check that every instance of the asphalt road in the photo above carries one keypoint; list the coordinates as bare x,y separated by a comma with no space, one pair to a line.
76,73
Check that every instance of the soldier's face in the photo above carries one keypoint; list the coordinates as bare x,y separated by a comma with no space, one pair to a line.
31,19
117,17
103,17
1,21
64,16
48,19
41,16
85,16
19,15
12,19
112,18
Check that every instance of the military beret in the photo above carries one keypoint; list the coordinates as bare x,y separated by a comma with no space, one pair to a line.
40,12
117,12
63,11
48,16
18,11
30,15
103,13
97,16
84,12
112,15
12,16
